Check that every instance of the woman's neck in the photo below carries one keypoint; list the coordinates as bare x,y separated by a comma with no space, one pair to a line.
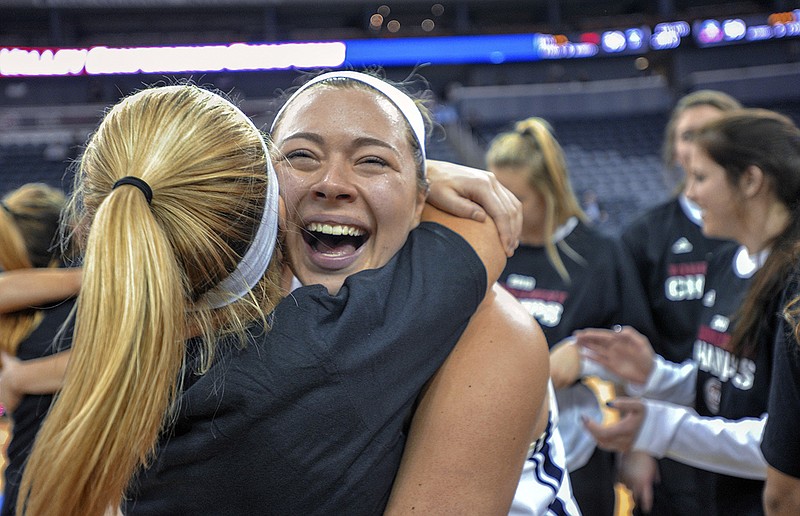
536,237
533,237
764,226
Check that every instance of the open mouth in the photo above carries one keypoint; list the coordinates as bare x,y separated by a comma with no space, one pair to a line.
334,239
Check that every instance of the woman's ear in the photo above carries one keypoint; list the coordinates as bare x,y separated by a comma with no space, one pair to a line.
752,181
281,215
422,197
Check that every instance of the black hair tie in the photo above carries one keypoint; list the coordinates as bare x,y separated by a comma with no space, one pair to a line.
138,183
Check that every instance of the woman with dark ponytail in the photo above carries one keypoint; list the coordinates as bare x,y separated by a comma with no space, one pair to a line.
780,444
744,174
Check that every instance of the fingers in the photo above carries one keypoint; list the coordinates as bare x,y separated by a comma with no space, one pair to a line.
594,336
645,497
502,207
596,343
451,202
627,405
513,208
602,434
473,193
639,472
621,435
622,350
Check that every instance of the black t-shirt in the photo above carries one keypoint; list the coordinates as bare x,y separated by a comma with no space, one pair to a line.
593,296
781,441
311,416
670,254
45,340
729,386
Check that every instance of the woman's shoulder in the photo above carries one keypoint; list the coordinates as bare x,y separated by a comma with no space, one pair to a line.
504,341
485,405
592,243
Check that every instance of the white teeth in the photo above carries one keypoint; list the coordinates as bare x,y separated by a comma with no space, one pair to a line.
329,229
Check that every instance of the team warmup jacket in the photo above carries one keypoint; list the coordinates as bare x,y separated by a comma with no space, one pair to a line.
729,394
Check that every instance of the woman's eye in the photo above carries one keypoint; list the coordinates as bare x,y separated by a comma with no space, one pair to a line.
375,161
297,154
300,160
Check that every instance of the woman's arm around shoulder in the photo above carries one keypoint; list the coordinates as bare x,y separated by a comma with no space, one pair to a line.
473,194
482,236
24,288
475,422
37,376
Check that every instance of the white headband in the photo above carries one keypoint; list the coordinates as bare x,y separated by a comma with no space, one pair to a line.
403,102
254,264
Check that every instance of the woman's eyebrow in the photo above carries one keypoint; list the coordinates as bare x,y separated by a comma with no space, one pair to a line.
314,137
368,140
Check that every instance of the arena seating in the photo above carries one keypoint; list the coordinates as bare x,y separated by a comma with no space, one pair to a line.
617,158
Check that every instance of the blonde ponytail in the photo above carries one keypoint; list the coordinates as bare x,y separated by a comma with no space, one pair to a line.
145,268
130,369
533,149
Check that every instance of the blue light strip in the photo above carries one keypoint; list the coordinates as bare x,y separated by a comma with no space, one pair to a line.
480,49
442,50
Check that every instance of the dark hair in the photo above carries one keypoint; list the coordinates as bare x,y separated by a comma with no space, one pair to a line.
771,142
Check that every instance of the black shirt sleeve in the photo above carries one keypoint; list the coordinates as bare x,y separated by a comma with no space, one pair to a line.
781,441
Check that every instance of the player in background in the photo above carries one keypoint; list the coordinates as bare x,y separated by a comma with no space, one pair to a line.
670,254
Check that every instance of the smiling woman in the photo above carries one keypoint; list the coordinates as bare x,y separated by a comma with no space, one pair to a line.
195,387
345,172
350,155
745,175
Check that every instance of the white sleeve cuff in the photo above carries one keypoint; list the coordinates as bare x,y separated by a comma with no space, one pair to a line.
730,447
660,423
668,381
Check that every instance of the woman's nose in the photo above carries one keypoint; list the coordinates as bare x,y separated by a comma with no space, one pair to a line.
688,188
335,184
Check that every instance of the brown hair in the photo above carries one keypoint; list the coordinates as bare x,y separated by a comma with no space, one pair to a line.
771,142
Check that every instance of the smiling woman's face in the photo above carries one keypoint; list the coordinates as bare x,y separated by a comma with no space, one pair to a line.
349,181
720,202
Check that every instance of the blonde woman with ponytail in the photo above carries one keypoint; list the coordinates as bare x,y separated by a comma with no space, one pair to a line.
33,348
148,266
192,388
568,275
